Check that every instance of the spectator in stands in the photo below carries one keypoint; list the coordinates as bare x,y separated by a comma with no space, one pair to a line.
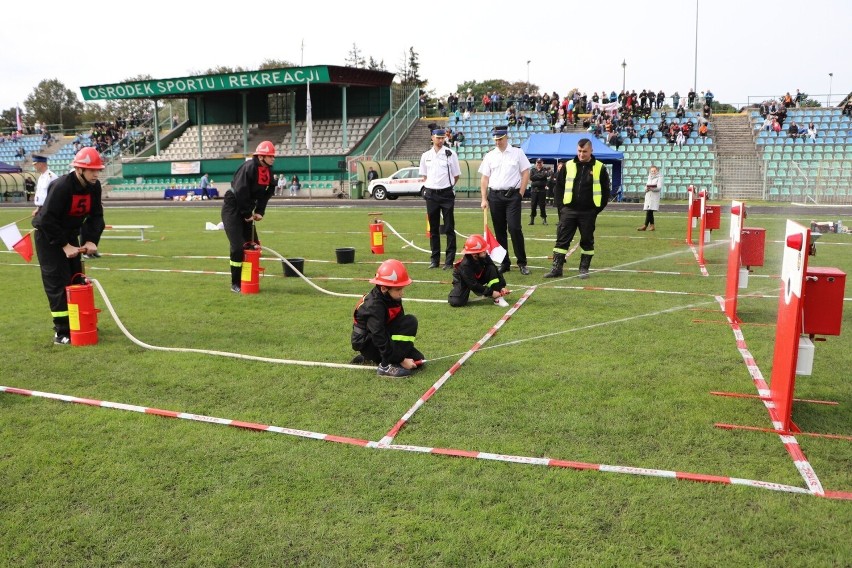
708,112
847,108
675,99
776,126
631,133
281,186
295,186
649,133
661,98
680,140
788,99
690,98
812,132
653,187
458,139
793,130
469,100
767,124
466,115
708,97
800,98
702,130
439,171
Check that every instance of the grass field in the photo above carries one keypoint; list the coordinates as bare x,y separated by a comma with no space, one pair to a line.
619,376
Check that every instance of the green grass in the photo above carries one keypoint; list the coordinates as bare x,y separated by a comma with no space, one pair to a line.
599,376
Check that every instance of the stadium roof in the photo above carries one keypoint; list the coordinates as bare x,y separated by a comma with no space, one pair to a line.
270,80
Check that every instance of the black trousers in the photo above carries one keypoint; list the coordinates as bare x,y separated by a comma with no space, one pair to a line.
506,212
239,232
569,221
538,199
56,273
649,217
438,204
405,326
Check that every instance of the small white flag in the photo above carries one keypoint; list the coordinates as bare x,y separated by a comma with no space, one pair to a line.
309,127
10,235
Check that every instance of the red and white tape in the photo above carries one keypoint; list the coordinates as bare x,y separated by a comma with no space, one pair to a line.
698,260
528,460
790,443
388,438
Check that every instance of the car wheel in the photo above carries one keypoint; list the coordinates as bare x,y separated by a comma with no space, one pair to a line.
379,192
422,191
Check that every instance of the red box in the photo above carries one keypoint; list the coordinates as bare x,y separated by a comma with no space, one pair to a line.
713,215
752,246
822,310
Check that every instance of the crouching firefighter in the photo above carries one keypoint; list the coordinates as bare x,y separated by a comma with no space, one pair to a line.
476,272
382,332
582,187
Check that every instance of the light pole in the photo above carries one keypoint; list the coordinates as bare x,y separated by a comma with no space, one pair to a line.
623,74
830,79
528,75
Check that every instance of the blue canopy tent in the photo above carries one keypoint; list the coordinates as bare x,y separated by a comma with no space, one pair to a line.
553,147
9,169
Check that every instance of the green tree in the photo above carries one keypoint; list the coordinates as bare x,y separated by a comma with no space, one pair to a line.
7,119
124,107
53,103
409,70
374,65
275,64
354,58
810,103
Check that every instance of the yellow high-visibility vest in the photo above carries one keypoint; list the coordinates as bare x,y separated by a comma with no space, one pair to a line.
571,173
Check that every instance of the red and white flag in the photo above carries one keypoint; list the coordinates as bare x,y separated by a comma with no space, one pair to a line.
13,240
495,249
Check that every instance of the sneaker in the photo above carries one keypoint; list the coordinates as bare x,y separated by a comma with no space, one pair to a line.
235,288
96,254
392,371
86,257
524,270
501,302
61,339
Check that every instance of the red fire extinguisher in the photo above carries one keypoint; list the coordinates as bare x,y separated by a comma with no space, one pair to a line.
377,235
82,313
250,275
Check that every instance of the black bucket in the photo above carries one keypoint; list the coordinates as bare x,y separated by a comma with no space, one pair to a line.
345,255
298,264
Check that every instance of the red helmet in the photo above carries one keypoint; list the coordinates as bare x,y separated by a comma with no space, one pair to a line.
265,148
88,158
475,244
391,273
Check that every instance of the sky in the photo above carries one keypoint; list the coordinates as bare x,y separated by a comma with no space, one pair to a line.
745,48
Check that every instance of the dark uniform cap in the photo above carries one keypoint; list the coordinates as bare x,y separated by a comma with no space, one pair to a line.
499,132
439,132
38,158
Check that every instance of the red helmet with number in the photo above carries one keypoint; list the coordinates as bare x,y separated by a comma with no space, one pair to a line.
265,148
391,273
475,244
88,158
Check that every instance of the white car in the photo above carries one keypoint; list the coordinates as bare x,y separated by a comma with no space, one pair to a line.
406,181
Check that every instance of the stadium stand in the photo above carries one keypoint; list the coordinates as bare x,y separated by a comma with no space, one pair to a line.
803,168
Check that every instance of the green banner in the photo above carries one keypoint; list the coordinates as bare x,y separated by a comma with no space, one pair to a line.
187,86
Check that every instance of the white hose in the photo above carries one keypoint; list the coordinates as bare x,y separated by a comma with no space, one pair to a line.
338,294
218,353
403,239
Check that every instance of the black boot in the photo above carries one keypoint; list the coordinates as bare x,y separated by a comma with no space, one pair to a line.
558,263
532,220
585,263
236,272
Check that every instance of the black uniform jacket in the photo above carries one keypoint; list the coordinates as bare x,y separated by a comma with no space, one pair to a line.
69,207
251,188
581,187
471,272
372,317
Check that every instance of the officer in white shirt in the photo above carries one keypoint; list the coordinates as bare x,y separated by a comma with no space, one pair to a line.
505,173
45,177
439,169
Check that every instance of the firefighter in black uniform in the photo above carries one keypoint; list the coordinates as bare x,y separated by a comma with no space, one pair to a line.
476,272
245,203
582,188
381,330
538,191
72,208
